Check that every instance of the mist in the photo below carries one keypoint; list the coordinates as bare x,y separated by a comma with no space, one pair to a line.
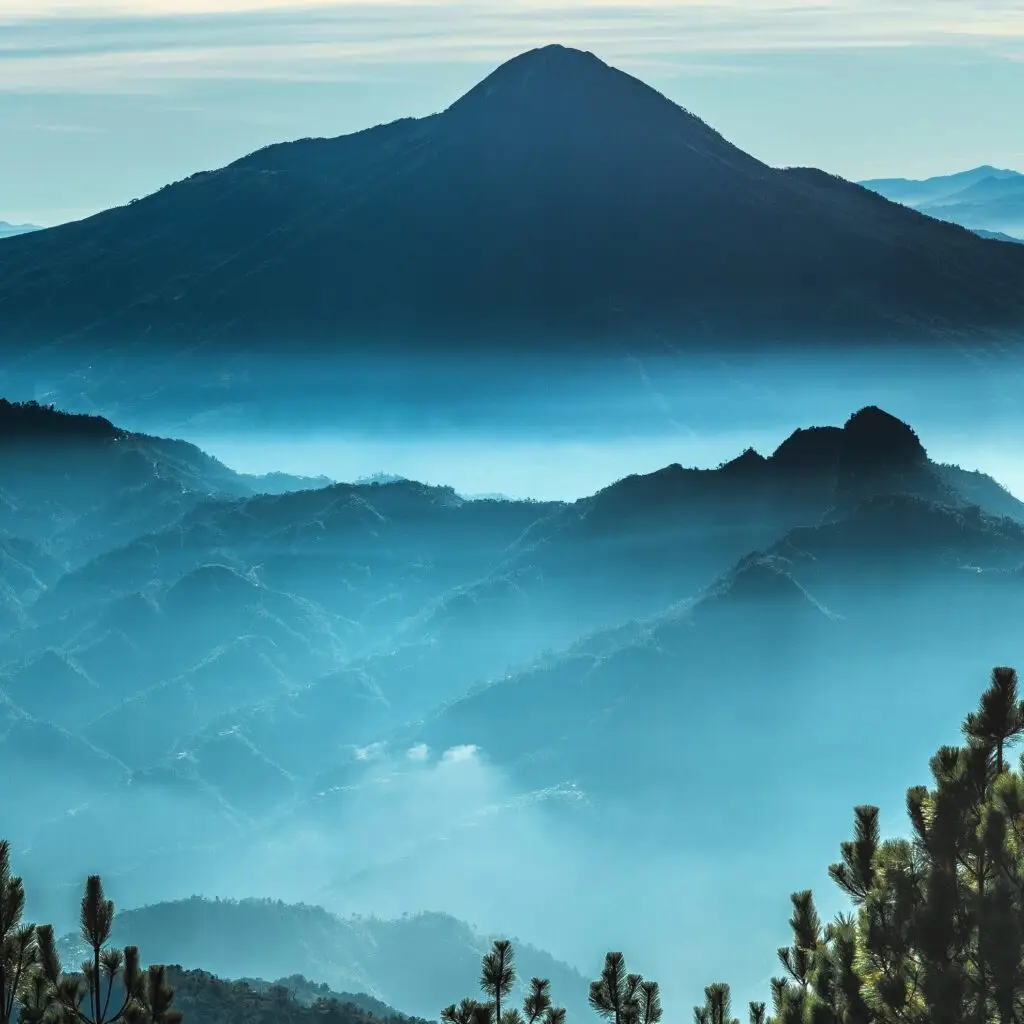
769,766
550,429
589,732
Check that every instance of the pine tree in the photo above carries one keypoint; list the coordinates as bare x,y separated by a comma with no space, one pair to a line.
469,1011
650,1003
1000,717
717,1008
538,1000
153,1002
497,979
17,940
111,987
614,995
498,974
937,933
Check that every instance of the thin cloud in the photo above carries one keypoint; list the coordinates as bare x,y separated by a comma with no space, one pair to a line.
70,129
81,44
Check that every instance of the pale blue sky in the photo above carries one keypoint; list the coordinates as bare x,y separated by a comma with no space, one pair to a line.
105,100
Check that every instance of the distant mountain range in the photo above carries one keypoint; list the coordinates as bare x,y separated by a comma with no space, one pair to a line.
396,688
986,199
9,230
173,644
418,963
559,203
998,236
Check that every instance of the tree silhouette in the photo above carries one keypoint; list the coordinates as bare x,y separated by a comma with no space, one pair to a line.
937,932
111,987
538,1000
497,978
614,994
498,974
466,1012
153,1001
649,999
17,940
1000,715
717,1008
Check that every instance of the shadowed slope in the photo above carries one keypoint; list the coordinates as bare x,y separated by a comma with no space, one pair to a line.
559,197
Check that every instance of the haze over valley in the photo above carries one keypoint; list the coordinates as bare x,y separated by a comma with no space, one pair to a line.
402,690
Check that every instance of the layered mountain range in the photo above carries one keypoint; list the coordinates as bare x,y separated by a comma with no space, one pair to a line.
175,645
559,203
9,230
988,200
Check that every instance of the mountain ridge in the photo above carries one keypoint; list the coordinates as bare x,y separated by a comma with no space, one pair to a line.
986,200
294,672
8,230
522,215
241,938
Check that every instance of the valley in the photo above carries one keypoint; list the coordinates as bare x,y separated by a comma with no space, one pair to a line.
361,676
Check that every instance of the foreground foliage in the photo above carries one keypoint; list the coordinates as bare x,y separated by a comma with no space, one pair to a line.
110,988
936,932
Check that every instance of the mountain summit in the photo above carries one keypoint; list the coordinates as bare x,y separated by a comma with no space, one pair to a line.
556,95
558,203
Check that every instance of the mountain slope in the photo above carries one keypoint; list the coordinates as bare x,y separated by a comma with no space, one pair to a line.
206,999
897,580
559,197
79,486
309,624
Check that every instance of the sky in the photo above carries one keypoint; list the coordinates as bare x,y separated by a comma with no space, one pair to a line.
102,101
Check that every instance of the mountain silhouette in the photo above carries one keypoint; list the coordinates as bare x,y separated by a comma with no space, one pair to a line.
986,199
559,201
8,230
915,192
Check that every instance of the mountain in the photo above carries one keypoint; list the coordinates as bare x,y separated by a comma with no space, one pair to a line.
418,963
203,998
560,202
400,689
818,583
283,483
986,200
256,637
77,486
206,999
914,192
994,204
270,637
10,230
998,236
